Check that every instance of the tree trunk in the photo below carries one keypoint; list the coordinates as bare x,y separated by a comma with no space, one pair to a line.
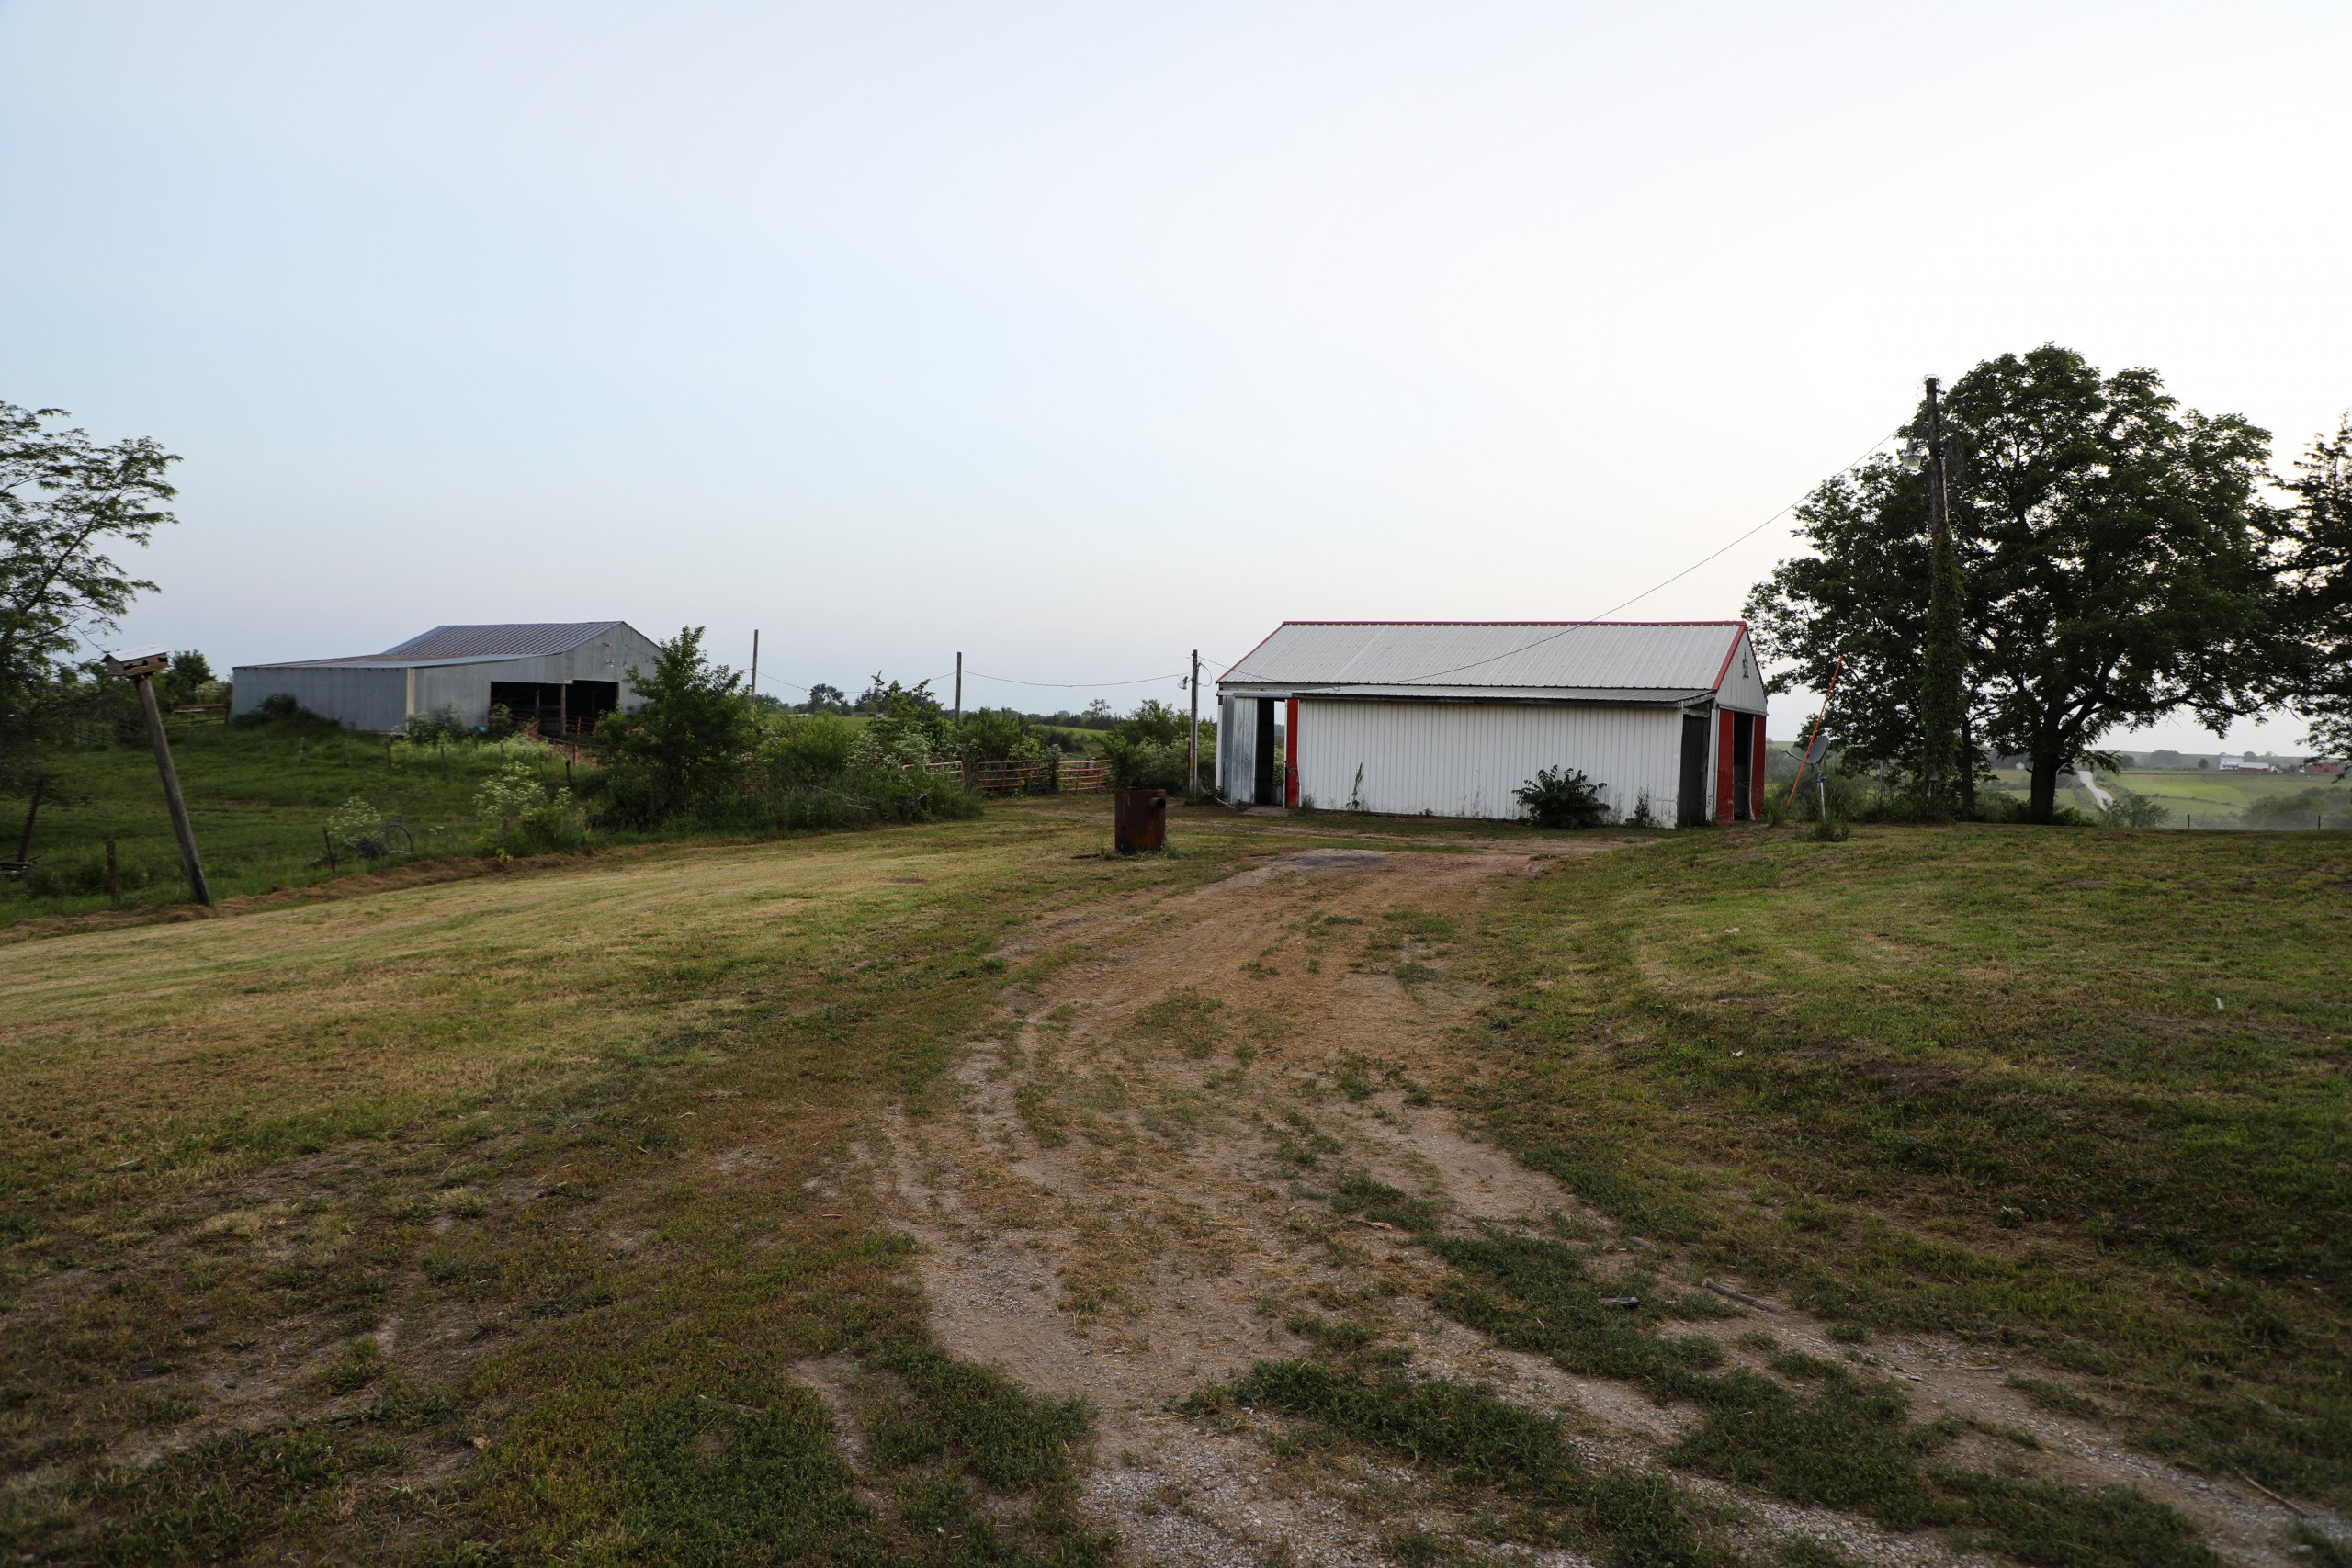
2044,799
1967,764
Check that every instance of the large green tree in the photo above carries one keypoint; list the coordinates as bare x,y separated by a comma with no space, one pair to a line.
2316,553
65,503
688,739
2116,559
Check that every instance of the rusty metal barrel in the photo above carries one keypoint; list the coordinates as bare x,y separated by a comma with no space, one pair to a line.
1139,820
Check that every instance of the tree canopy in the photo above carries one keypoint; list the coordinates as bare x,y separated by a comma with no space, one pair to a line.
688,739
2316,552
2116,562
66,501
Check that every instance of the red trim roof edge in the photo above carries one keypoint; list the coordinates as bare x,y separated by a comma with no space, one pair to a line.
1727,652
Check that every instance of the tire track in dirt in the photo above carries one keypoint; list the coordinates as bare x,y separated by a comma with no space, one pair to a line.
1120,1202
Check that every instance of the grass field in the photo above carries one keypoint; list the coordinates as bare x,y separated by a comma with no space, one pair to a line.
2196,797
258,798
503,1219
2082,1093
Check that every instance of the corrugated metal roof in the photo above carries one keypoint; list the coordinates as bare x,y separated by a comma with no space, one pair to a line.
459,645
509,639
1561,658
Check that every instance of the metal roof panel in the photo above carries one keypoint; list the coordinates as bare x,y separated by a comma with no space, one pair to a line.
1555,656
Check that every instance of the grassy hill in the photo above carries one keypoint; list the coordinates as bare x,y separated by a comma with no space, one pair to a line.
2196,797
259,799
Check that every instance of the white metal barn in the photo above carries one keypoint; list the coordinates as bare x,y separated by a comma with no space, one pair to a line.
562,676
1450,717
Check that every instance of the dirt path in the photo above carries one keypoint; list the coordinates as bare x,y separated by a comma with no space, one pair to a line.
1122,1204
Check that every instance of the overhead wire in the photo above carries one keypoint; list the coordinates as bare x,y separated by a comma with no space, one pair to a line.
1594,620
1562,630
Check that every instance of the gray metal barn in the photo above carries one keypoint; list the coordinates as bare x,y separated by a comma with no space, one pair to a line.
1450,717
563,675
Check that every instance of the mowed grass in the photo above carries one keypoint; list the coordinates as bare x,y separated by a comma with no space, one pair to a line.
2196,798
2077,1094
490,1220
258,799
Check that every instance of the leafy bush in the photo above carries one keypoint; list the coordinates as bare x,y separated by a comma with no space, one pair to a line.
807,749
1147,749
686,745
355,831
430,729
2306,808
907,730
499,723
1143,764
280,708
2126,810
527,816
1563,797
996,735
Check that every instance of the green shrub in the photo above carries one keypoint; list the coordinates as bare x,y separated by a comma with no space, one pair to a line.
690,741
445,724
995,735
1563,797
355,831
2323,805
807,749
2125,809
527,815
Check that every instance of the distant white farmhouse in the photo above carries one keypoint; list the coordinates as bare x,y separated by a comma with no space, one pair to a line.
2245,766
1451,717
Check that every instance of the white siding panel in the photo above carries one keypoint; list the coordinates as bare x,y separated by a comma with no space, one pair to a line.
1743,687
1237,748
1468,759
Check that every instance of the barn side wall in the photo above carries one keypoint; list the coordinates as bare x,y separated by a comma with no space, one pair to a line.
358,695
381,696
1743,686
1468,759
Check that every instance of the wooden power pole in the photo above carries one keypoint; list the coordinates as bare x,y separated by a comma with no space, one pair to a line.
1193,736
141,667
959,688
756,672
1941,672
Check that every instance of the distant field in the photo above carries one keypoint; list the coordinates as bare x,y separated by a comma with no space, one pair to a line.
2196,797
258,798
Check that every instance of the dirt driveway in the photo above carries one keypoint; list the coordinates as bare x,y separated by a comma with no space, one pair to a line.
1125,1199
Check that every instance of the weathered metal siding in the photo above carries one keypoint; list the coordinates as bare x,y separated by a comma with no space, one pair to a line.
362,697
608,658
1468,759
377,697
1237,747
1743,687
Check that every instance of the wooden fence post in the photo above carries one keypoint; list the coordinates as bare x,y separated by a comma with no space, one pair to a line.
114,883
24,844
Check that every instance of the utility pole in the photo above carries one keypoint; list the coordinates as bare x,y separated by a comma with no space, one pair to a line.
1941,672
959,688
756,672
1193,747
142,668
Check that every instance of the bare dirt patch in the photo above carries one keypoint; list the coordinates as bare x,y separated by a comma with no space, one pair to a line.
1125,1197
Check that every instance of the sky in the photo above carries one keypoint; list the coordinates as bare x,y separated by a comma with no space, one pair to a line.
1077,338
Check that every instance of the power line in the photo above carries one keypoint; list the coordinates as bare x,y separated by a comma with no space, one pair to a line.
1552,637
1663,582
1070,685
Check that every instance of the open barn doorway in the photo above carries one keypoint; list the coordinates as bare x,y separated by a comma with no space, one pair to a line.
1691,793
